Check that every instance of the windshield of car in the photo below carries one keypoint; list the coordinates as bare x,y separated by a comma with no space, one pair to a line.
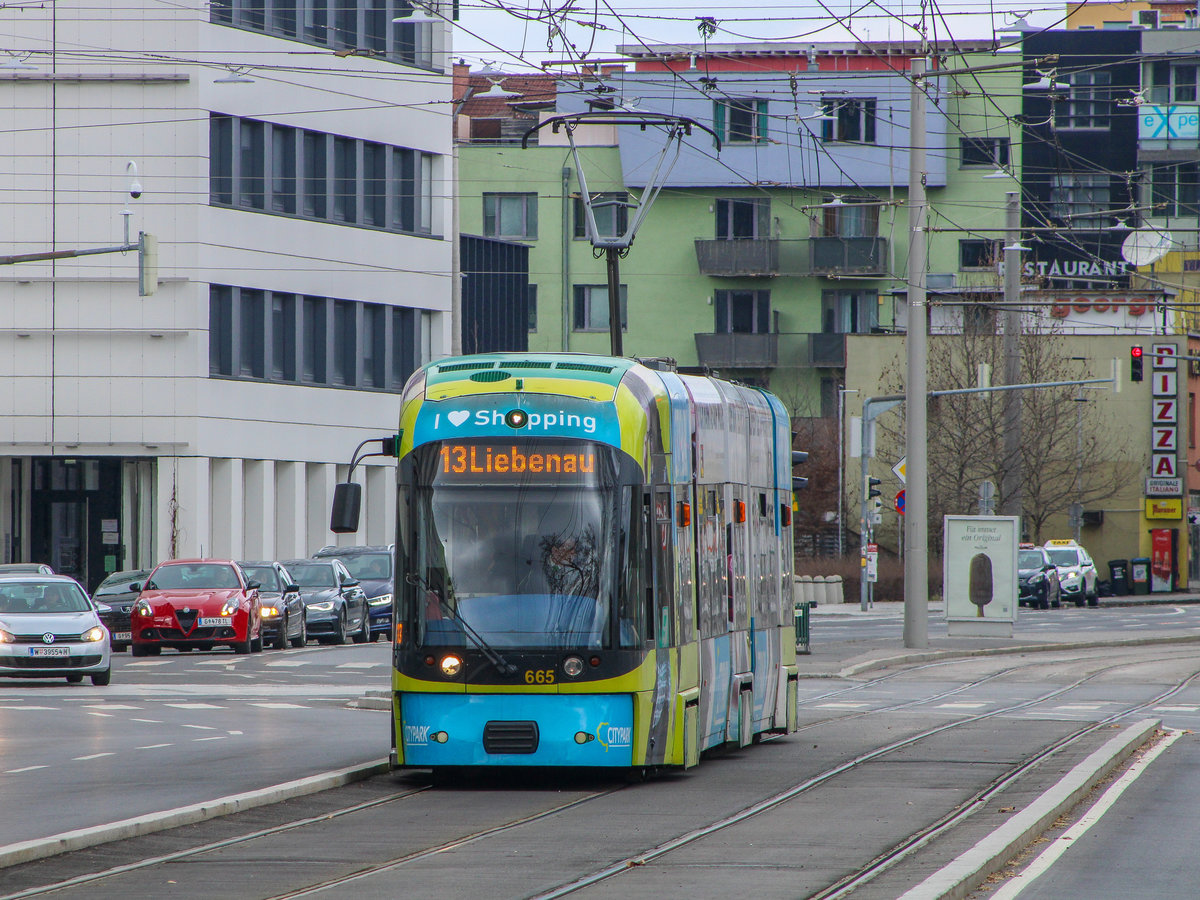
119,583
194,577
1030,559
1066,556
369,566
312,576
57,597
266,577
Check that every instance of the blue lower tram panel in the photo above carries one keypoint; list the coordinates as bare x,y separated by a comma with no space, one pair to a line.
517,729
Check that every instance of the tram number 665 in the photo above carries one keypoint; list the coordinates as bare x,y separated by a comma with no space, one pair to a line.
539,676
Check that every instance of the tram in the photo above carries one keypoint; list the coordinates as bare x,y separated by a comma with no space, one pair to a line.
594,564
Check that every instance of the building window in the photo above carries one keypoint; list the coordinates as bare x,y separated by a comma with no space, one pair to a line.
1175,190
591,307
1173,82
740,120
743,218
361,189
850,119
283,169
512,216
1082,196
283,337
408,43
533,307
983,152
742,312
850,218
1088,103
611,210
849,312
979,254
279,337
220,330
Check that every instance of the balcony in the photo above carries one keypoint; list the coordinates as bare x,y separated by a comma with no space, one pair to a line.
738,257
849,255
768,257
738,350
826,351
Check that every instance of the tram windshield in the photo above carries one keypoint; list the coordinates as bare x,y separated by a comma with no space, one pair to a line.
518,544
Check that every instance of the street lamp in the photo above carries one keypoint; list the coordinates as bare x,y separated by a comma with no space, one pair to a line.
842,392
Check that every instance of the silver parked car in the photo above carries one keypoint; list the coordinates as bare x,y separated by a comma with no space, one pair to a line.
49,629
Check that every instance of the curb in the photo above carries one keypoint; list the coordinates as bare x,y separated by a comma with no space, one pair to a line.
930,655
41,848
960,877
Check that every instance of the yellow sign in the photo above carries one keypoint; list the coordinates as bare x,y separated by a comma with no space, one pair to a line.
1164,508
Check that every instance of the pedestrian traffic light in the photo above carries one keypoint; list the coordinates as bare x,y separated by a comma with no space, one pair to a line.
799,481
872,489
1135,362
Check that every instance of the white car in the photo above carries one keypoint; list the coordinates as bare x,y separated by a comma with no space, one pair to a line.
1077,577
49,629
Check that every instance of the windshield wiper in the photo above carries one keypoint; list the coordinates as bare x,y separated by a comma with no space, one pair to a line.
503,666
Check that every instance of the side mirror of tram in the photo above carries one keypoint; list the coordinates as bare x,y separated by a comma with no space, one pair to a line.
347,501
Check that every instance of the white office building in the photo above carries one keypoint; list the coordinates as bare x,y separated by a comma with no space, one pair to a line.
294,166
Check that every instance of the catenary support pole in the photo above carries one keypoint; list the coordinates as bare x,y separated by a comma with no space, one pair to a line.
916,506
1011,474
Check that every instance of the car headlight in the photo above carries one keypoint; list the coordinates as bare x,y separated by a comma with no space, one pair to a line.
142,608
229,607
270,611
93,634
1037,578
326,606
381,600
6,638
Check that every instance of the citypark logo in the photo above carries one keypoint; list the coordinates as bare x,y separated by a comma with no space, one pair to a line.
544,421
614,736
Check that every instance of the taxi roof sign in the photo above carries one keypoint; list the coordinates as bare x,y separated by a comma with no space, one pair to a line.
1061,542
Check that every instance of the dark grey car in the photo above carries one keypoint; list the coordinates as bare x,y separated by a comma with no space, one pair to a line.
114,599
283,614
335,604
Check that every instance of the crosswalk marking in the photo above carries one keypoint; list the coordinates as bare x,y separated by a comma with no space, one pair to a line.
23,707
1177,709
1082,707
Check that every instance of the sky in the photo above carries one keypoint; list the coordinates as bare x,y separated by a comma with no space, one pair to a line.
520,34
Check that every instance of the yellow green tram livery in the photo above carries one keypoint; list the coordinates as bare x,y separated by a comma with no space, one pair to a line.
594,565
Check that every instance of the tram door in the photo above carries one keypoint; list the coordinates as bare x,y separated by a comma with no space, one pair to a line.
664,566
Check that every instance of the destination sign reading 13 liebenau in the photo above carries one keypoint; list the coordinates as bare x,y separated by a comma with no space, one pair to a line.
492,462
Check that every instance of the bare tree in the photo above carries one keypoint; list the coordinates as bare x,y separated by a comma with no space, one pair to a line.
815,504
1067,455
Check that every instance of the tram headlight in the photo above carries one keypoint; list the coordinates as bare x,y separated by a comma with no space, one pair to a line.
451,665
573,666
516,418
583,737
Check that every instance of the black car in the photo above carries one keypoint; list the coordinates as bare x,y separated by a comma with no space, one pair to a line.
1037,579
114,600
372,566
335,604
283,615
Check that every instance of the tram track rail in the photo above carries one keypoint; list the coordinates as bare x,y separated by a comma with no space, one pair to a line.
881,863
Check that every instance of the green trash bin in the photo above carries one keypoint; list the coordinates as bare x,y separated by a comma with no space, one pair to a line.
802,629
1140,569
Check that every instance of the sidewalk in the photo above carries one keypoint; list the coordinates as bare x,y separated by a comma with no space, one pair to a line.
844,658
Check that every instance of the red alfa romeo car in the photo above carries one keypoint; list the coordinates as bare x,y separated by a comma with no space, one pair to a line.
197,604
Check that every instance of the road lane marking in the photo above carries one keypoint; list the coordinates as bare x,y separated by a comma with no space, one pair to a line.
842,705
92,756
148,721
220,662
193,706
100,714
219,737
279,705
202,727
151,662
1177,709
154,746
360,665
962,704
103,706
289,663
1081,707
47,708
1048,857
26,769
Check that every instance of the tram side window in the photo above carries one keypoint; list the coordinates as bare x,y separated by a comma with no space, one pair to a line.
631,613
712,575
648,581
664,565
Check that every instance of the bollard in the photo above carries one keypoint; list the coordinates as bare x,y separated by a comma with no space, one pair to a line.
833,589
804,589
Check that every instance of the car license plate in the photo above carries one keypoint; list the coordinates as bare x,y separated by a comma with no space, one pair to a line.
215,622
49,651
122,636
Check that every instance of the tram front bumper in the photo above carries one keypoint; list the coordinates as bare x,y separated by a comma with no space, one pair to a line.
515,730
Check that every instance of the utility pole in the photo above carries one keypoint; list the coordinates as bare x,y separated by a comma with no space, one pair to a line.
1011,474
916,512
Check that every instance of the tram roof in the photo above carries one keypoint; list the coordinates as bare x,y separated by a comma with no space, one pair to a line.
485,368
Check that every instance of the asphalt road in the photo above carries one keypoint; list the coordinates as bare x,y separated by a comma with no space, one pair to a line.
180,729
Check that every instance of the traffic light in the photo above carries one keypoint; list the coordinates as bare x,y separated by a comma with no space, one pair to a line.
872,489
799,481
1135,362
